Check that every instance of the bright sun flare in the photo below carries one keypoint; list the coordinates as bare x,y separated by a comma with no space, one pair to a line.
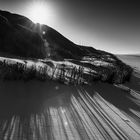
40,13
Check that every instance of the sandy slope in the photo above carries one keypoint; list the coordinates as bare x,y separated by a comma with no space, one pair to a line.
48,110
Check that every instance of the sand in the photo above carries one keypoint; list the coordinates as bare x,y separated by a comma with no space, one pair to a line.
49,110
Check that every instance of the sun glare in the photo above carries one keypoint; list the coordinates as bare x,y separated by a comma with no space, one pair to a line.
40,13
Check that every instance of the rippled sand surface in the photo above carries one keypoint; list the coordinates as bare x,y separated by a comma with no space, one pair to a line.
48,110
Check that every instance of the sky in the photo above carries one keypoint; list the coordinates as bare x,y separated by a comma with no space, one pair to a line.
110,25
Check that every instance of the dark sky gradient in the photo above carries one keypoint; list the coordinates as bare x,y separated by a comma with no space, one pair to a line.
111,25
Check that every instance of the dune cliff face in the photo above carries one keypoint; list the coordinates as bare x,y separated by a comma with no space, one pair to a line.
53,55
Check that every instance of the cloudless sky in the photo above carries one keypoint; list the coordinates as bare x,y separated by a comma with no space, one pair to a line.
110,25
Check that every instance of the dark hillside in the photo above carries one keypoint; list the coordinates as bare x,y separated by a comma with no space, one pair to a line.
21,39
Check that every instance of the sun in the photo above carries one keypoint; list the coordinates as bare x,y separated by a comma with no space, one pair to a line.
39,12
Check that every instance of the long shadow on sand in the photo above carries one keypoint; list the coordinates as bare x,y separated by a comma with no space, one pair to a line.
50,110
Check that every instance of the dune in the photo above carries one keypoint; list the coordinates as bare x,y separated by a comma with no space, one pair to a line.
61,90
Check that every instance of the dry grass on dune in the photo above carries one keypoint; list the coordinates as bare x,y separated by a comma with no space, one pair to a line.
64,71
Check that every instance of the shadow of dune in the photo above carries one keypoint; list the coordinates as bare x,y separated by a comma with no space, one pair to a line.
28,110
22,98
